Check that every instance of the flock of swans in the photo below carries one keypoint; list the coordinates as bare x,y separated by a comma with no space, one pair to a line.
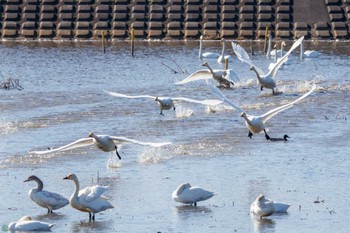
91,199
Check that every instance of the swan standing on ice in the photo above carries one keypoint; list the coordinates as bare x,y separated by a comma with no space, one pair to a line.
223,57
223,77
187,194
89,199
27,224
263,207
166,103
105,143
202,55
264,80
256,124
49,200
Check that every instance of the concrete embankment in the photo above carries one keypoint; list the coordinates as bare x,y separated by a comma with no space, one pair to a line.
174,19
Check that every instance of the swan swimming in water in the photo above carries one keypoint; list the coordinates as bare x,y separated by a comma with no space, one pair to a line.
105,143
27,224
263,207
49,200
89,199
187,194
223,77
166,103
264,80
256,124
202,55
307,53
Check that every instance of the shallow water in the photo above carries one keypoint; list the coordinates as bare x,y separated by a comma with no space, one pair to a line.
63,100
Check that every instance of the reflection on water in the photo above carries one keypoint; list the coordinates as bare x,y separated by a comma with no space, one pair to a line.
263,225
96,226
190,209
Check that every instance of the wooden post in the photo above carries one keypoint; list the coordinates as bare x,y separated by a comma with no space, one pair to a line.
266,38
103,42
132,41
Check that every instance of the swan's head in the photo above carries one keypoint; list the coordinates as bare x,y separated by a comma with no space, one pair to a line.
156,99
243,114
91,135
201,37
261,197
30,178
71,177
25,218
251,68
285,137
205,64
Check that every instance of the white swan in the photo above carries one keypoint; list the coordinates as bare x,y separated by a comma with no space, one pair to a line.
202,55
49,200
264,80
105,143
256,124
263,207
223,57
187,194
308,53
89,199
27,224
166,103
223,77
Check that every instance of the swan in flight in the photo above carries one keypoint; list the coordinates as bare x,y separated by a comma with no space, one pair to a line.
187,194
223,77
166,103
256,124
89,199
27,224
263,207
264,80
202,55
223,57
308,53
49,200
105,143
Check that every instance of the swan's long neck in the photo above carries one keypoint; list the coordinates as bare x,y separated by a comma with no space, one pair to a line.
211,71
302,50
281,49
40,184
200,49
249,122
269,47
257,74
223,49
77,188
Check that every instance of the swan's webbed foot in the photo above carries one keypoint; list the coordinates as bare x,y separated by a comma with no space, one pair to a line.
250,134
116,151
266,135
161,113
90,217
273,92
261,88
93,217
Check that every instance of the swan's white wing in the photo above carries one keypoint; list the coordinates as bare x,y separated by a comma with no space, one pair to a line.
281,61
198,75
89,194
125,139
243,56
231,75
204,102
273,112
50,198
128,96
32,226
217,92
78,143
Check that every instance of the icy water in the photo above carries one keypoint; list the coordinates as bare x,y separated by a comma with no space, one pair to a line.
63,100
